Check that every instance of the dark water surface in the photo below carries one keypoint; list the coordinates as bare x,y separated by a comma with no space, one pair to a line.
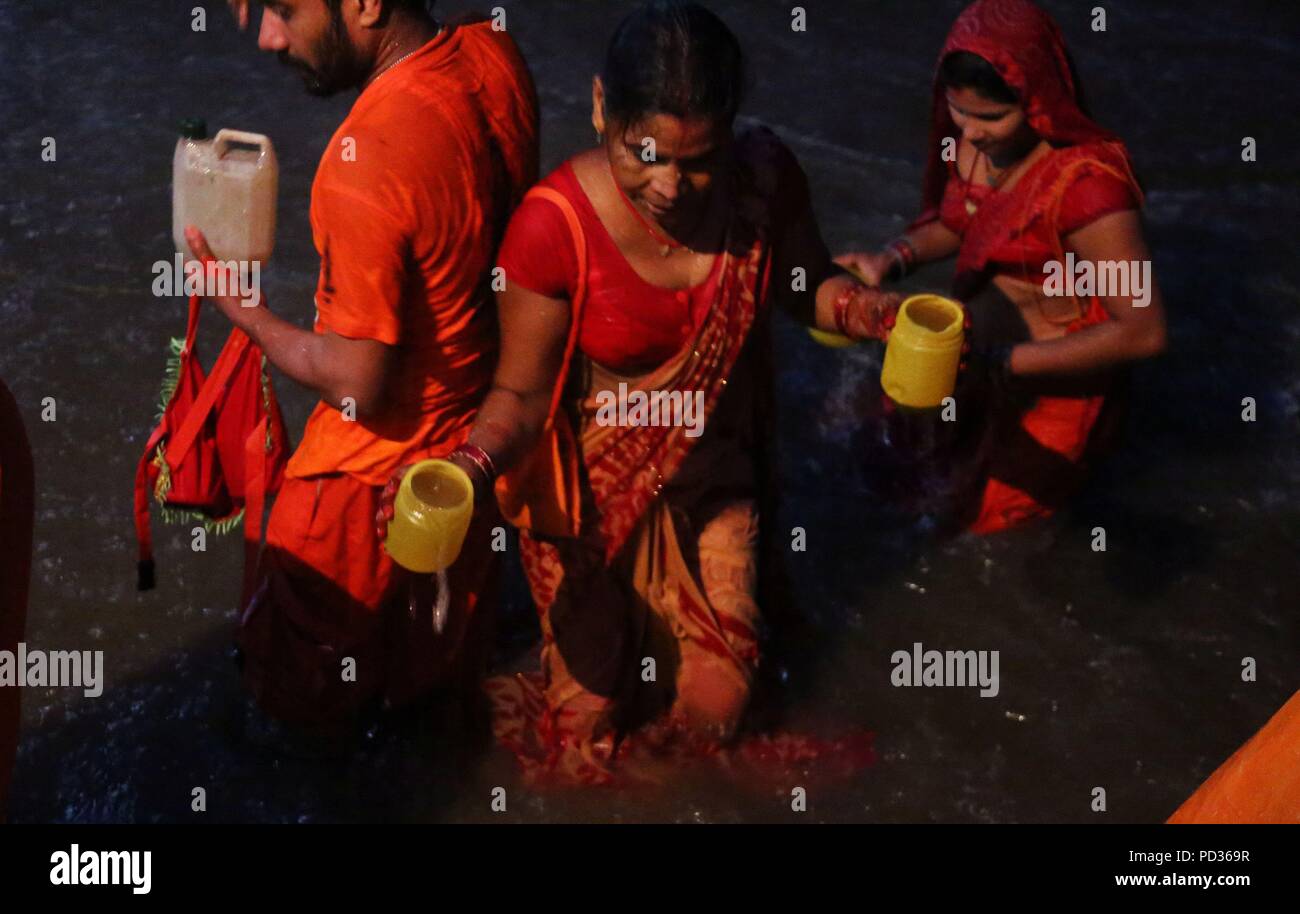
1119,669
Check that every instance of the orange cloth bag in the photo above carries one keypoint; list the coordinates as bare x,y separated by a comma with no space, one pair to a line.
219,448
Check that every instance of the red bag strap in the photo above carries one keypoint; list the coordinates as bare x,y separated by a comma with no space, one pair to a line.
192,324
143,535
255,482
580,292
179,445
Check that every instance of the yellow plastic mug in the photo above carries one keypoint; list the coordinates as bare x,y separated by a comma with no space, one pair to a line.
431,516
924,352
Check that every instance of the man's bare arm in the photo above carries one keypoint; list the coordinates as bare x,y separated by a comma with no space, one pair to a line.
337,368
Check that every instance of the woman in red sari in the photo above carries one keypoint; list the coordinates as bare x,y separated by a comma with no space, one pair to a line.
648,266
1033,180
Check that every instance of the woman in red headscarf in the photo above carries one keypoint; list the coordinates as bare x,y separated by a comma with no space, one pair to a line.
1031,195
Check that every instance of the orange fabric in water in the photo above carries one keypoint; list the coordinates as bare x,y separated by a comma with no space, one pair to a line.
408,207
1020,485
1260,783
327,590
17,497
1061,425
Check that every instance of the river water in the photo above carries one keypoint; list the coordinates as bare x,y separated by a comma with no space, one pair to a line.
1119,670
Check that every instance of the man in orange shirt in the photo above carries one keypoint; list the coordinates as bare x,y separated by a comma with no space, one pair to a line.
408,206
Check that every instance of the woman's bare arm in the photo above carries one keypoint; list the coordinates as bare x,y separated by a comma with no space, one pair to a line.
810,296
534,331
932,241
1137,330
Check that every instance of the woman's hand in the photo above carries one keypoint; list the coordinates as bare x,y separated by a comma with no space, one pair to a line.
483,490
872,269
386,499
966,326
869,314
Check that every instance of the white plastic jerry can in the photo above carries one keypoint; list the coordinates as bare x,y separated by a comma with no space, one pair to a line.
226,187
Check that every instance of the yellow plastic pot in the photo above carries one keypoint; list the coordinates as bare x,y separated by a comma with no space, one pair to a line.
431,516
924,352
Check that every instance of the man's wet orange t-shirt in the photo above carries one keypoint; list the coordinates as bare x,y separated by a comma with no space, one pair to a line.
409,204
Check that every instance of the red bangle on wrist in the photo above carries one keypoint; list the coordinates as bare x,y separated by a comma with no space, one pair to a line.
842,303
904,256
480,458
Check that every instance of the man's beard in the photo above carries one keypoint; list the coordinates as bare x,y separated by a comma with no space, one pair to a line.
338,68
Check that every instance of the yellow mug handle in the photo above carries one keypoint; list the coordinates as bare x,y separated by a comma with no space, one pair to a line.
831,340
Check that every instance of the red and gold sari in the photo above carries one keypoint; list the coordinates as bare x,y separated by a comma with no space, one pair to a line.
649,614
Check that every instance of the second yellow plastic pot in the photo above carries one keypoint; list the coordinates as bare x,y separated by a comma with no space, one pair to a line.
924,352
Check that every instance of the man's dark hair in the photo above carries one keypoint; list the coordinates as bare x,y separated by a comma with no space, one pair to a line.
673,57
964,70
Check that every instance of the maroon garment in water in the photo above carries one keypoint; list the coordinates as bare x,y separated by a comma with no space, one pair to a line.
16,508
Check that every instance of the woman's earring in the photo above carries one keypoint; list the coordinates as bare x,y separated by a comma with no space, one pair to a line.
600,137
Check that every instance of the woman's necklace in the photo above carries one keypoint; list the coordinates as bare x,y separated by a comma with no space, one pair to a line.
991,179
994,182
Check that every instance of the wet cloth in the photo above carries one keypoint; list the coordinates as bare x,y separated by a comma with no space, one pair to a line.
409,204
1087,175
1260,783
17,502
1039,441
649,615
328,594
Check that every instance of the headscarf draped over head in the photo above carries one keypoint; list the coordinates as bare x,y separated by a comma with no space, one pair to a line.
1025,46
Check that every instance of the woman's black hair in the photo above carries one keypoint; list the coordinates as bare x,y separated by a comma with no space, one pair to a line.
964,70
673,57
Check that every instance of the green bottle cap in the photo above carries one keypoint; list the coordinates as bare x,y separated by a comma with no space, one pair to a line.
194,128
